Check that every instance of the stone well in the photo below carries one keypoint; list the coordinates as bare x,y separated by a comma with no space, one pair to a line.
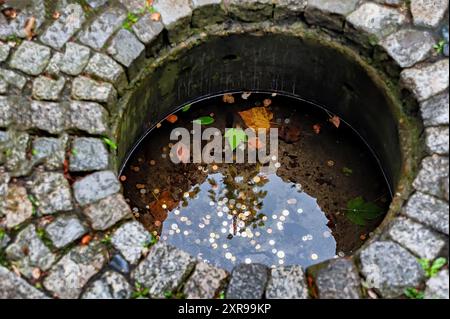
77,94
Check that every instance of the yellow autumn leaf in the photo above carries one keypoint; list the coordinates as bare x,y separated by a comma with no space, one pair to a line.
257,118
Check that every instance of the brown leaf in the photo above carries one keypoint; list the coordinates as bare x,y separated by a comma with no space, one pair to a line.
86,240
156,16
336,121
29,27
257,117
10,13
160,207
228,98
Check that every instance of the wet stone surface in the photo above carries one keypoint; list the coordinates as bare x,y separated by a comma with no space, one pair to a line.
205,282
95,187
435,111
110,285
52,192
131,240
17,207
88,154
163,270
287,282
390,268
84,88
125,48
437,140
428,13
248,282
437,287
330,14
431,175
106,212
45,88
89,117
49,151
64,230
75,58
104,68
14,287
30,58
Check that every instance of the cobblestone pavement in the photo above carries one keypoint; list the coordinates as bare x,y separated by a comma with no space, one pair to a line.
66,230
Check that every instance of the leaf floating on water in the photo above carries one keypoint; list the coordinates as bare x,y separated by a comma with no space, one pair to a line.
159,207
172,118
186,108
255,143
317,128
228,98
204,120
257,117
360,212
336,121
235,137
246,95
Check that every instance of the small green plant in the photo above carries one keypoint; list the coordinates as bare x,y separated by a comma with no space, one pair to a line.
360,212
2,234
413,293
140,292
130,21
432,268
347,171
221,295
34,152
74,152
106,240
43,236
439,47
152,241
110,143
168,295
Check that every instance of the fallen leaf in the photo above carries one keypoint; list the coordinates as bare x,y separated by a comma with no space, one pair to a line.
255,143
156,16
186,108
359,211
290,134
29,27
172,118
336,121
267,102
86,240
228,98
10,13
160,207
317,128
235,137
257,118
36,273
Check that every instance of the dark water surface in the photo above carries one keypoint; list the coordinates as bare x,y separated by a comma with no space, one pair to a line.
232,213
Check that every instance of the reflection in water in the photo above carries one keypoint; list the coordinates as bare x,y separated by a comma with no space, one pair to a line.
228,220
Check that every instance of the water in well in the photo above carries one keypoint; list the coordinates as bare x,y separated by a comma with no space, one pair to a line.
325,198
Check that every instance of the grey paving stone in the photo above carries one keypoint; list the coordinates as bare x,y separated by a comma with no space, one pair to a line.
390,268
134,6
89,117
330,14
110,285
4,238
417,238
29,252
4,51
338,279
104,68
163,270
84,88
30,57
176,17
248,281
395,3
107,212
14,287
49,151
95,187
4,180
147,30
207,12
428,210
16,158
435,111
125,48
287,282
376,20
205,282
130,239
75,58
120,264
437,140
428,13
65,230
3,86
47,116
430,178
409,46
427,81
102,28
13,78
250,10
67,278
17,207
70,21
96,3
6,111
287,8
46,88
52,192
27,9
437,287
88,154
53,67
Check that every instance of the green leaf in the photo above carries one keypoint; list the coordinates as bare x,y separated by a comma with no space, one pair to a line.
437,265
235,137
186,108
2,234
426,265
204,120
110,143
347,171
359,211
168,294
413,293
